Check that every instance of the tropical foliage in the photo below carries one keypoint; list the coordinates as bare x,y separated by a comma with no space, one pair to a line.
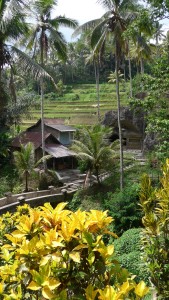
155,205
25,161
93,148
53,253
12,26
130,253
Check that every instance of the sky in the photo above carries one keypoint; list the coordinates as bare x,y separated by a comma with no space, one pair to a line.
81,10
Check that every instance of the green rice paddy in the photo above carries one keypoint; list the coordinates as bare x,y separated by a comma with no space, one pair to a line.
78,106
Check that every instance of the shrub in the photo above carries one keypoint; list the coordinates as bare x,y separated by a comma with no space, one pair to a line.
128,248
123,207
50,96
53,253
155,205
75,97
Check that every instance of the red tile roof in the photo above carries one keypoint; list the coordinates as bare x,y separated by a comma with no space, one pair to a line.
26,137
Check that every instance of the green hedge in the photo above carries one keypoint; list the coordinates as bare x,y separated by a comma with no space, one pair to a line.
129,252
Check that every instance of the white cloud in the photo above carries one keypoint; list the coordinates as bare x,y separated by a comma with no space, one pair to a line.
80,10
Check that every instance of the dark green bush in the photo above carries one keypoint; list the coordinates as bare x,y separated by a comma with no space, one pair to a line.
123,207
128,249
129,241
75,97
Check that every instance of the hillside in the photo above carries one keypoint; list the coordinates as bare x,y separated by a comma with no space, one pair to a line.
78,105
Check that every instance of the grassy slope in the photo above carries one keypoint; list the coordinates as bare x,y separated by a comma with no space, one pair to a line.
78,106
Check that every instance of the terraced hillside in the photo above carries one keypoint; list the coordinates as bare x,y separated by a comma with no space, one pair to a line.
78,105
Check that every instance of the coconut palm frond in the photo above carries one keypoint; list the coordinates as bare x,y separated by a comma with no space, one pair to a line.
84,156
16,27
108,4
94,150
78,146
44,158
60,45
100,46
10,8
85,27
30,38
129,5
12,24
98,32
25,159
63,21
106,152
44,7
29,65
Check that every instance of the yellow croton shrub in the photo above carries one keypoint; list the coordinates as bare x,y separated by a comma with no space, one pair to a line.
54,253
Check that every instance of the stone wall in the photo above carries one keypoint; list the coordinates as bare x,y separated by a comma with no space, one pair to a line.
54,196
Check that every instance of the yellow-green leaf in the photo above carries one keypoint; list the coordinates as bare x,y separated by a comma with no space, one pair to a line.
1,288
47,294
44,260
51,283
34,286
75,256
90,293
141,289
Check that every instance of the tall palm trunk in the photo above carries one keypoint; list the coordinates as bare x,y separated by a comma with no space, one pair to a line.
97,176
157,45
124,74
142,65
129,60
96,69
26,181
42,102
13,91
42,122
119,116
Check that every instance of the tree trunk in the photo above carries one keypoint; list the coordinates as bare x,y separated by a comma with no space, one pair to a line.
119,117
42,103
129,59
42,123
96,69
97,176
142,65
124,74
26,181
157,46
13,91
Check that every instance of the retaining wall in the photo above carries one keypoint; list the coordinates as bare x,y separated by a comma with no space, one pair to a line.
54,196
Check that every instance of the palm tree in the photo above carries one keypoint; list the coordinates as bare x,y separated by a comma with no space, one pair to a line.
93,148
141,50
12,27
158,36
25,162
95,58
113,23
44,34
139,33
